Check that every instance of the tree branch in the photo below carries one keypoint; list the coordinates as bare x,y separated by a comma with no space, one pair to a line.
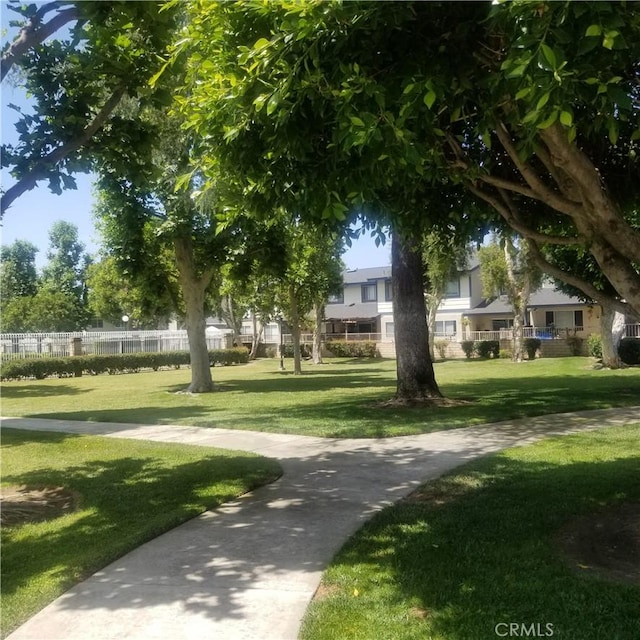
579,283
39,171
545,194
33,33
506,210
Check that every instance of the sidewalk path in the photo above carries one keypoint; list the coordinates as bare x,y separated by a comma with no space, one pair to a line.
249,569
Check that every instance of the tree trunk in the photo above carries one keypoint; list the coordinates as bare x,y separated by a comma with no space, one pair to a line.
415,376
258,329
433,303
611,331
193,292
318,310
294,322
520,290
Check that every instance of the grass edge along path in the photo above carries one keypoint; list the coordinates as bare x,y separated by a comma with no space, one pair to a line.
129,492
478,547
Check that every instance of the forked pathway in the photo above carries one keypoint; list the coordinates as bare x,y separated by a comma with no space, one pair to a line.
249,569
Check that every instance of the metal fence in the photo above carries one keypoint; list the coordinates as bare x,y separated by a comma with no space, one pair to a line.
39,345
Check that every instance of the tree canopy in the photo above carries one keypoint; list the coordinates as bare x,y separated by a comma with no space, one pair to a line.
532,106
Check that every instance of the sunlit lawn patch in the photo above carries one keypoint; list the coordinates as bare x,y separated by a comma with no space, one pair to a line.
338,399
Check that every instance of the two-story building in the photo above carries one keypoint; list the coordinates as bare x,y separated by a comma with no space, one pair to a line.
364,310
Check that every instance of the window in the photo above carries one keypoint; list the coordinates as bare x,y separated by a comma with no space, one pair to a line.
389,330
446,327
499,323
578,319
452,288
336,298
369,292
97,323
388,291
549,318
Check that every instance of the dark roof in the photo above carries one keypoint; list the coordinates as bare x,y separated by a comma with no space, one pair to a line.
355,311
544,297
357,276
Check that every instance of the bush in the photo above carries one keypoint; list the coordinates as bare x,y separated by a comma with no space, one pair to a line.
629,350
506,354
40,368
305,350
594,346
487,348
575,345
469,347
531,346
353,349
441,348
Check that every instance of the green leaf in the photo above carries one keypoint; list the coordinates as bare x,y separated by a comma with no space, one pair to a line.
518,71
260,101
272,105
356,121
549,55
429,98
613,132
566,118
261,44
523,93
545,124
593,30
543,100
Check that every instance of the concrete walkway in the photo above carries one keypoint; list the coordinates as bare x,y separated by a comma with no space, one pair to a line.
249,569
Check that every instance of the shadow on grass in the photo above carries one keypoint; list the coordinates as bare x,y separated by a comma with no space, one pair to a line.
124,503
133,415
40,390
477,549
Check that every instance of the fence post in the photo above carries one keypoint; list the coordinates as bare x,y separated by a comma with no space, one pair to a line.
76,346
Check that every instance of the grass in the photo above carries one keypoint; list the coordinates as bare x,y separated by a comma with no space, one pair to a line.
476,548
130,492
332,400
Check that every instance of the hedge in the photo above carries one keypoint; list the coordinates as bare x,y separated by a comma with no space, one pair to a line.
487,348
41,368
629,350
531,346
352,349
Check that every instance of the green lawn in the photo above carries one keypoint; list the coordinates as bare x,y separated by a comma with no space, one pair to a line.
333,400
129,492
477,548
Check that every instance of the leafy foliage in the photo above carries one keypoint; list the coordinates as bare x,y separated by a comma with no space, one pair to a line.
40,368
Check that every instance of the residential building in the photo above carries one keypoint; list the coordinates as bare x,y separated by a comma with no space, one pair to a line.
364,310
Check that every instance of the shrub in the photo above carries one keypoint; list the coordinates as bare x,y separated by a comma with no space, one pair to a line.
272,352
353,349
305,350
575,345
506,354
40,368
469,347
487,348
594,346
531,346
441,347
629,350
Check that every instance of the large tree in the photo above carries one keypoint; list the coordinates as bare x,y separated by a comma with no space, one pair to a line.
371,94
18,275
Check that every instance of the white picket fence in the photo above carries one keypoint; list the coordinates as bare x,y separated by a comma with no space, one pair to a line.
38,345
